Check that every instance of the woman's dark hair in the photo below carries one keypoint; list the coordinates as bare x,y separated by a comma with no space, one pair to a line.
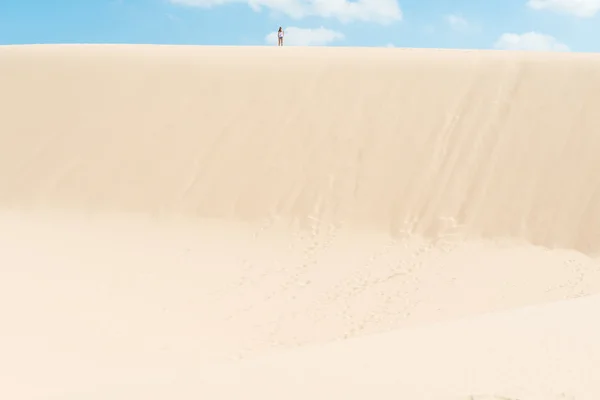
279,28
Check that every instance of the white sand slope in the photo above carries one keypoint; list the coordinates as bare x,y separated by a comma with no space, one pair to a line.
163,209
487,143
536,353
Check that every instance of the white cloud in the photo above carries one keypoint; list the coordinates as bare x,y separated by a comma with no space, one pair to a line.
579,8
380,11
532,41
305,37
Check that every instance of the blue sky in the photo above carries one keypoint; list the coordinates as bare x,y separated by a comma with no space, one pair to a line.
477,24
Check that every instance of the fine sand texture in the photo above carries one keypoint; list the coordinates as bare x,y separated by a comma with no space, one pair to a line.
181,222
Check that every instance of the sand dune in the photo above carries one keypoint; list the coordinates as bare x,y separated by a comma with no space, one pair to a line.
166,208
480,142
536,353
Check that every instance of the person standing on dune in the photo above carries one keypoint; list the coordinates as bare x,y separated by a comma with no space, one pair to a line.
280,37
